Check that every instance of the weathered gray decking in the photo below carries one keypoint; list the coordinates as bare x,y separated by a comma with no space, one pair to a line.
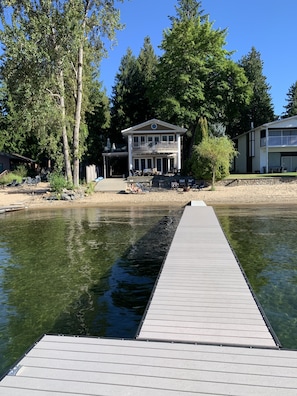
89,366
202,295
201,300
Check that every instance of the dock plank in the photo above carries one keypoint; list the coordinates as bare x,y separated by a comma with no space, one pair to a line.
92,366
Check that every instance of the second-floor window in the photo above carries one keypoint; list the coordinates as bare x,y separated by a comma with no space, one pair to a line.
136,141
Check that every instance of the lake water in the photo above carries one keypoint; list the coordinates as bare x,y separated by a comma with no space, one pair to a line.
91,271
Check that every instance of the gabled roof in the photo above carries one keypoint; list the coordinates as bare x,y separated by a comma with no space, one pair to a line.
154,126
283,123
15,156
290,122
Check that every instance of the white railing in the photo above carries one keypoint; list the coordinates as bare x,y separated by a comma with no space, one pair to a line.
276,141
159,147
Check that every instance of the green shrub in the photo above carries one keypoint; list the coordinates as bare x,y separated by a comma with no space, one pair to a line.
9,178
58,183
90,188
21,170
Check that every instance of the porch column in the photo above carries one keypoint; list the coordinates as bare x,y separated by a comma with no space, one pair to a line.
130,156
266,153
104,166
178,153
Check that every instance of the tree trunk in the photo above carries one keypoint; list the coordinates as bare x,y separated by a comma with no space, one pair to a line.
64,129
79,83
213,177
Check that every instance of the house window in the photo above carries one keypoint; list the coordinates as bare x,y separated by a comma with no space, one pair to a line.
142,163
164,138
252,144
142,140
149,163
171,138
159,165
136,141
136,164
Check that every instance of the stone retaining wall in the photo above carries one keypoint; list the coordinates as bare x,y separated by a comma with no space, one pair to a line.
257,181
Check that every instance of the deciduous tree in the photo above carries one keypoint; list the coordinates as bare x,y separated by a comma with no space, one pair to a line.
219,153
57,42
196,77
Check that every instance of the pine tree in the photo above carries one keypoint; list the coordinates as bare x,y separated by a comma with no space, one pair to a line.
291,107
260,109
131,103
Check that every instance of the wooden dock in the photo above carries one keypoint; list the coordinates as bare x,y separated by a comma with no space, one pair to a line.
203,334
11,208
202,295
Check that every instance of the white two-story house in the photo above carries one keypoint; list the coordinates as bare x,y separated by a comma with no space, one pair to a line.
271,147
154,147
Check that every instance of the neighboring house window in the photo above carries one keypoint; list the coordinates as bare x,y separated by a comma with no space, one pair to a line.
263,137
136,141
252,144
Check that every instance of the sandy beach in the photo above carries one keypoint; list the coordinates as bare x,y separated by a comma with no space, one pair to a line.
33,197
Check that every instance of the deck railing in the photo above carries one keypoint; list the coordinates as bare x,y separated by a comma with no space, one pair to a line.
158,147
277,141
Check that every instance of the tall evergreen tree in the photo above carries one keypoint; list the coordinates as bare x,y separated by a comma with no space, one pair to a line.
260,109
98,122
131,102
187,9
147,61
291,107
124,101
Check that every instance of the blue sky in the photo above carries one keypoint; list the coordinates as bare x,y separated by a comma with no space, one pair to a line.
269,26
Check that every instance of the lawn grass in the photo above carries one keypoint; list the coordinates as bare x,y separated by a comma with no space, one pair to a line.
260,175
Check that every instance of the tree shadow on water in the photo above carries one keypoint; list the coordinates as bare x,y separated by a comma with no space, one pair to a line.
114,306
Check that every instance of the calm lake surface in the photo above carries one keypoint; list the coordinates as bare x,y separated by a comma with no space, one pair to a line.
91,271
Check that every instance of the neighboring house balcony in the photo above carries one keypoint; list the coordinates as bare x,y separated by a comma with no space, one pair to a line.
280,140
156,148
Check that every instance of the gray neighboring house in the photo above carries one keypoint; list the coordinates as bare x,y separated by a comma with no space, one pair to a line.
271,147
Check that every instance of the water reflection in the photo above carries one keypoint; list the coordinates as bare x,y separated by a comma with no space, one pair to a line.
264,240
91,271
77,272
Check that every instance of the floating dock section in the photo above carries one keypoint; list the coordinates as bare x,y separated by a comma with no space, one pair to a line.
203,334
